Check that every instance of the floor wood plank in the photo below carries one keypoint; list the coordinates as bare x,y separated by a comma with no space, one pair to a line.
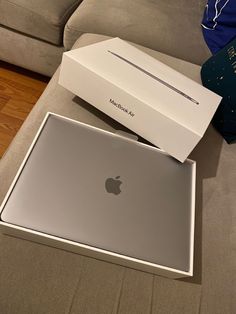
3,99
5,140
9,125
19,91
19,108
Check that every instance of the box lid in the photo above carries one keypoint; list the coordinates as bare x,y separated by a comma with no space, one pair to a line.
180,98
163,89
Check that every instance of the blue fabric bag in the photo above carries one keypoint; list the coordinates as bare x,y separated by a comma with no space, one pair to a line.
219,23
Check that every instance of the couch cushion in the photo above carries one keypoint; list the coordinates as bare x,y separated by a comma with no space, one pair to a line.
42,57
172,27
36,274
42,19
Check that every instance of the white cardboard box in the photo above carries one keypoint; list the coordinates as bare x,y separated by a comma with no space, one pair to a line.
89,250
148,97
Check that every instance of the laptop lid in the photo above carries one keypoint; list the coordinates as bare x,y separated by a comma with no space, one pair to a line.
97,188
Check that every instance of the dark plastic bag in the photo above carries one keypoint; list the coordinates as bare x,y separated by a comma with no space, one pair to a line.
219,75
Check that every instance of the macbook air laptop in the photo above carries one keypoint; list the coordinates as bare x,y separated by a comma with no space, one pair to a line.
101,189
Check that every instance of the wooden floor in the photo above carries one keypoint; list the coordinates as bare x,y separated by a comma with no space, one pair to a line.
19,91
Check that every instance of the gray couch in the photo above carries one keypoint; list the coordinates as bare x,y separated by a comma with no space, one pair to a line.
38,279
34,34
31,32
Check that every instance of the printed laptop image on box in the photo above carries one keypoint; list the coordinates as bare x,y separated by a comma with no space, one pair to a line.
106,192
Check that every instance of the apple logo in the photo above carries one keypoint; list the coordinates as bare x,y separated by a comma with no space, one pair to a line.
113,185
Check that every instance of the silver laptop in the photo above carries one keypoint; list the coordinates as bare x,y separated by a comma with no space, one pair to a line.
101,189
